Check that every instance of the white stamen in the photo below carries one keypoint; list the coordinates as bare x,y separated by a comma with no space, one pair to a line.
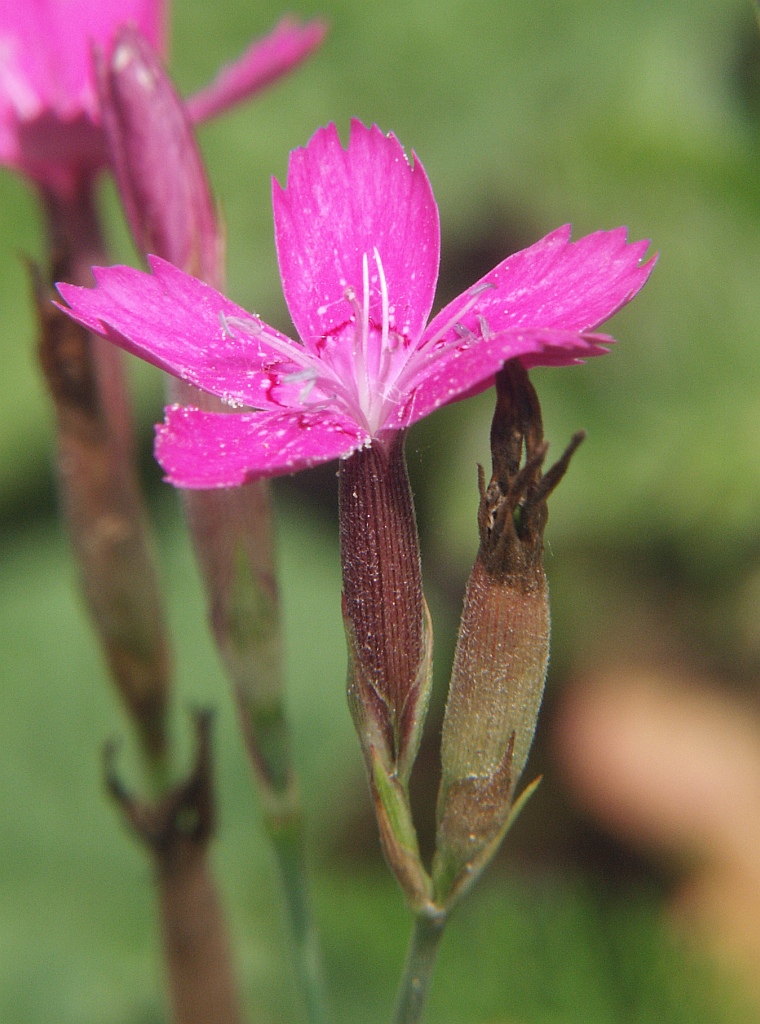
306,390
485,330
245,324
365,315
225,325
485,286
428,354
309,375
313,370
365,394
361,333
386,346
384,298
474,295
464,332
294,378
289,349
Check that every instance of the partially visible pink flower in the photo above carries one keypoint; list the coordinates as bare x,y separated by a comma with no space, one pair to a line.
357,238
49,119
48,103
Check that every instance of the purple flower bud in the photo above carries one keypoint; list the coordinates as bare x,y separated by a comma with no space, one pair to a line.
155,159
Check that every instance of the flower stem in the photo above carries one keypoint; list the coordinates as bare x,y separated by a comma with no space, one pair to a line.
288,844
419,967
177,829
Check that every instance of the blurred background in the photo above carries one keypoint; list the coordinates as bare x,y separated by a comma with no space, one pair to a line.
628,891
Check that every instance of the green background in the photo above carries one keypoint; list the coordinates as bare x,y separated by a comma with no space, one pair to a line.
525,115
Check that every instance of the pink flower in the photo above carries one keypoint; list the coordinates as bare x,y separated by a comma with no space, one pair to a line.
357,238
49,119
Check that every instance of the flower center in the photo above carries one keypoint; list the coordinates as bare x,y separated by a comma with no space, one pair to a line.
364,367
377,366
371,349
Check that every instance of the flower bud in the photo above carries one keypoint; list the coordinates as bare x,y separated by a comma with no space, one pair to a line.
155,159
502,651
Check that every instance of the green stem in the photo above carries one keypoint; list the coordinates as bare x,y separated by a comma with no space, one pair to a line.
419,967
288,846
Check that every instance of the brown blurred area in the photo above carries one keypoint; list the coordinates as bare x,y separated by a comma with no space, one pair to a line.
669,765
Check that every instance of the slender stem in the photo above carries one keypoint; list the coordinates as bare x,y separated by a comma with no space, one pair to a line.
419,967
176,830
196,947
288,846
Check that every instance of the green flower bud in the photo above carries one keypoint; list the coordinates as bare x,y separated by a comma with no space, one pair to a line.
502,651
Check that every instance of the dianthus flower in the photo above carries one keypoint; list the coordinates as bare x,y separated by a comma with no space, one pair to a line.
49,118
358,239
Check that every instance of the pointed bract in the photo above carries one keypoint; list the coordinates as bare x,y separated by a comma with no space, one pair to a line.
358,242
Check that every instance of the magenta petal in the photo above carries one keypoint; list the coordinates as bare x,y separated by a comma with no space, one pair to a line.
205,449
340,205
463,371
182,325
555,283
265,60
